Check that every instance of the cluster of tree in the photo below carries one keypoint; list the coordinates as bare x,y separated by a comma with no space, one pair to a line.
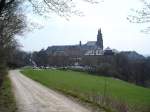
128,66
42,58
18,59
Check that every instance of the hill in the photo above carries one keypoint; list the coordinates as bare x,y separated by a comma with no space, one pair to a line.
106,92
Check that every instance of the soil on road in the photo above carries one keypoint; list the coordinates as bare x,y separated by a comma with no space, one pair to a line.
34,97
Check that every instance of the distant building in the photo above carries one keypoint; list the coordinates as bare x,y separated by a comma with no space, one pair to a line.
95,47
74,53
109,51
98,43
94,52
90,48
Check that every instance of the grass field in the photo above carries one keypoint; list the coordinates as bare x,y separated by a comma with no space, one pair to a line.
85,86
7,100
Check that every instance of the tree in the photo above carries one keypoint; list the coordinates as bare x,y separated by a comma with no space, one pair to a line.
11,23
40,58
141,15
4,4
61,7
19,58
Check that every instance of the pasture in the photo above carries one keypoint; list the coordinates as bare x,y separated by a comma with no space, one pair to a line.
107,92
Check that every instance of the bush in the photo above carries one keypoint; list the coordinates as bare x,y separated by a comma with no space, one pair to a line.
107,69
3,72
7,100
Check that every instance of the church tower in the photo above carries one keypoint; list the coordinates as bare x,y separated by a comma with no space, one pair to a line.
99,42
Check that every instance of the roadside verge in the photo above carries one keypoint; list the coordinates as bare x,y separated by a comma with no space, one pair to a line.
7,100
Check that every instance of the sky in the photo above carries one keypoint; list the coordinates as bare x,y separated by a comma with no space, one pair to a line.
109,15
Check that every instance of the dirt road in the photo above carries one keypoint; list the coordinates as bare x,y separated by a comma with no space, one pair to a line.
34,97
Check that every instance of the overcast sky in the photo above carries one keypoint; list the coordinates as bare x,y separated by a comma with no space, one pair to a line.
109,15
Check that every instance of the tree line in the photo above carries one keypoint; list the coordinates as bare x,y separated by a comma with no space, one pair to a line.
122,66
129,66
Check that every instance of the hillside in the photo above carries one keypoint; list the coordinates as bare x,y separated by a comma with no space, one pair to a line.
107,92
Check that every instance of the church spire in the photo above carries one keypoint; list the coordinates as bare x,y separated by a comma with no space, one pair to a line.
99,42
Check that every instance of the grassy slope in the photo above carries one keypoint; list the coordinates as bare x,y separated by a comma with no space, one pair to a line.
7,101
82,83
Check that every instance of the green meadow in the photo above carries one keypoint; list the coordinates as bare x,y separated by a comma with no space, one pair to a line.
88,87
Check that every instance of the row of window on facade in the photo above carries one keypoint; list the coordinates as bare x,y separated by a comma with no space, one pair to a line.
98,51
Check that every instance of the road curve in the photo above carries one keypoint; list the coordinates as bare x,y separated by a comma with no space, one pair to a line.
34,97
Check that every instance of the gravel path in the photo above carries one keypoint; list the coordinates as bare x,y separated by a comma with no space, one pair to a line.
34,97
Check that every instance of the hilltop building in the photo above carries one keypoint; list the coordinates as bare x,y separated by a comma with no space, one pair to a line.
109,51
95,47
90,48
74,54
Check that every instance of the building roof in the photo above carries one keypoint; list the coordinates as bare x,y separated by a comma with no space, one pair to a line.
108,48
91,43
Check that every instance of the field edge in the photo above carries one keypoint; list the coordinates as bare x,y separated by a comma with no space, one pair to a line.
78,97
7,98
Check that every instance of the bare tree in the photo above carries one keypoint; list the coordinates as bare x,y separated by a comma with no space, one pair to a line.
12,22
60,7
141,15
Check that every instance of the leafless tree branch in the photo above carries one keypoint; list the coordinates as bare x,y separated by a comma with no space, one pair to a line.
141,15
